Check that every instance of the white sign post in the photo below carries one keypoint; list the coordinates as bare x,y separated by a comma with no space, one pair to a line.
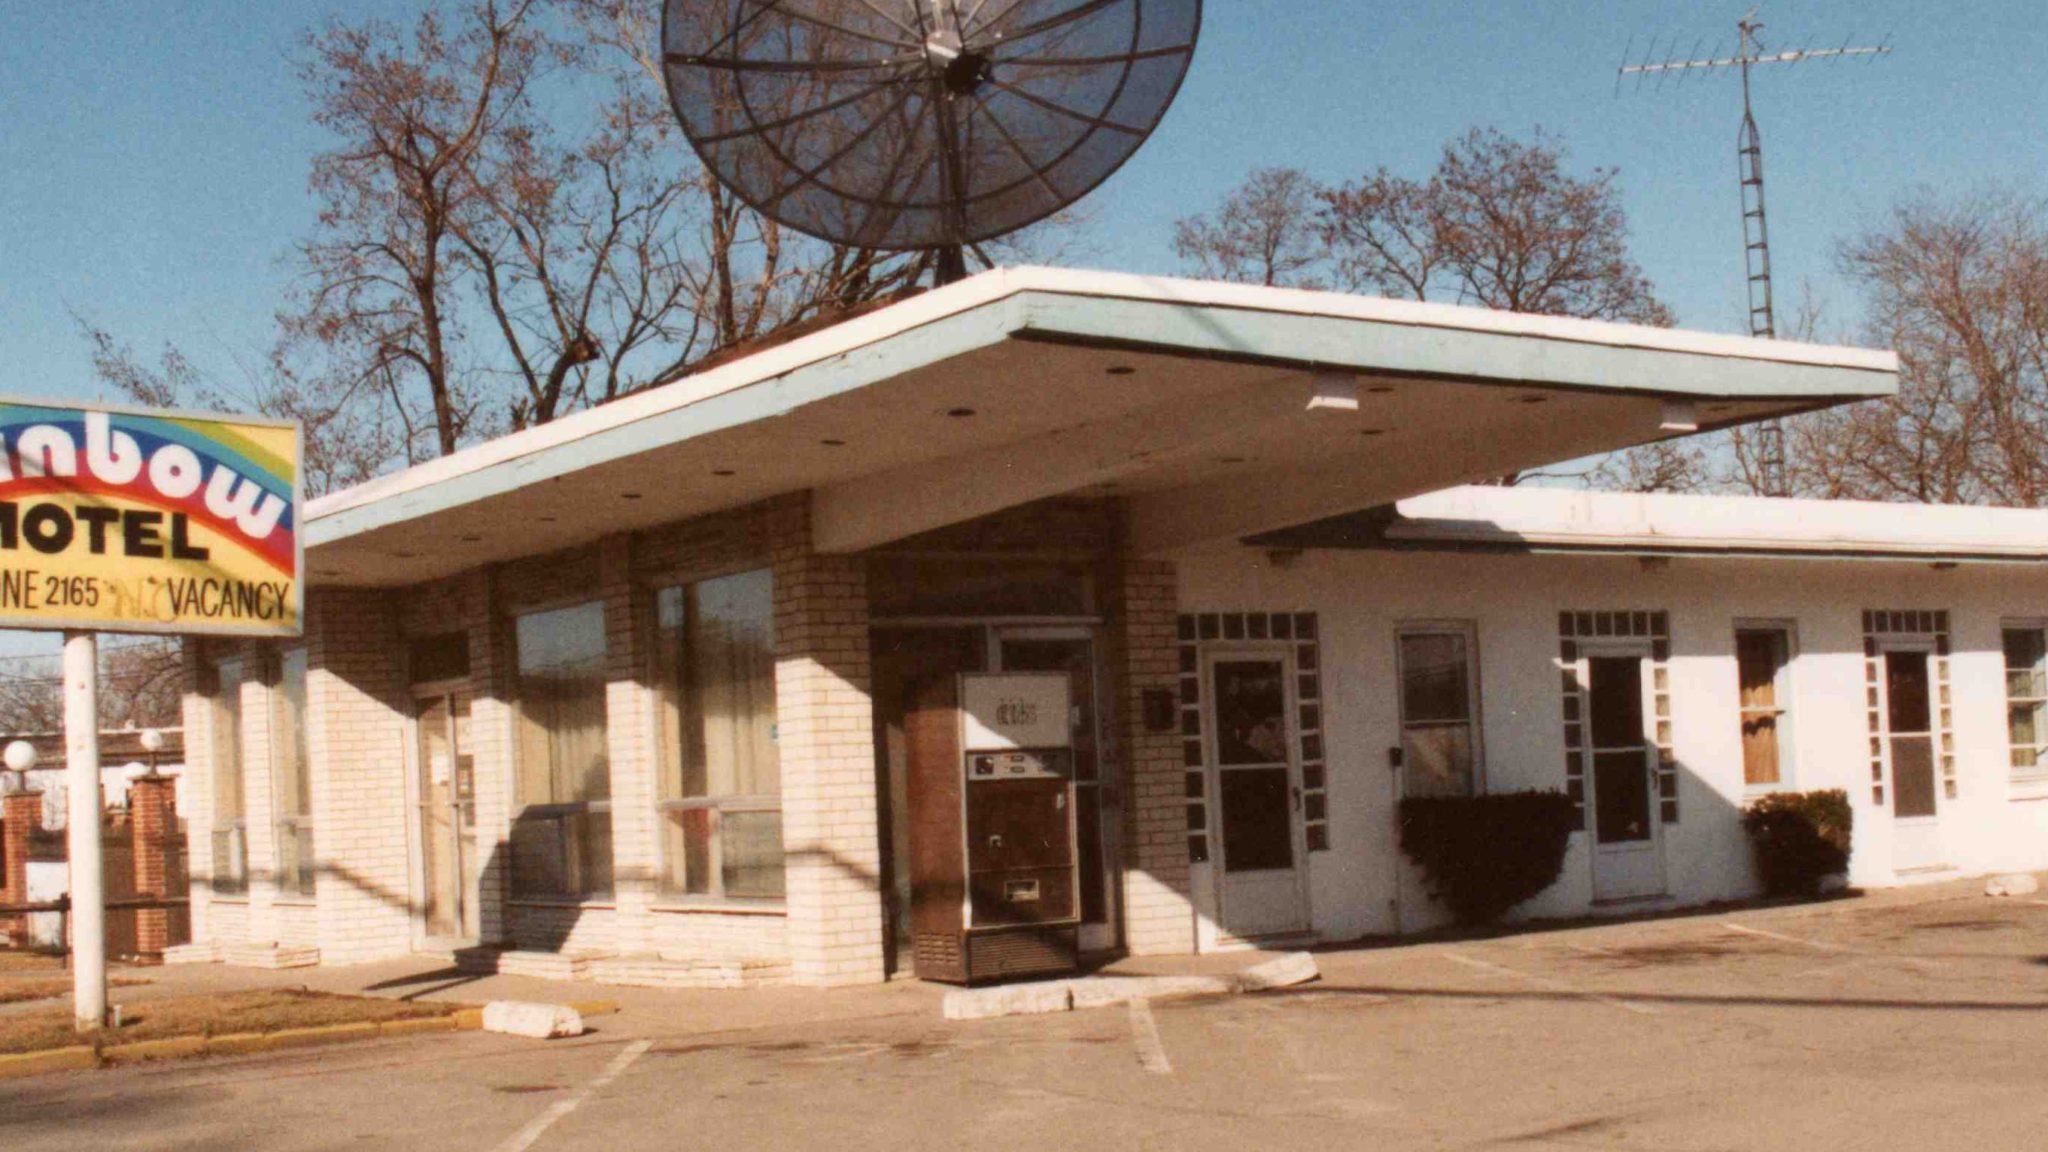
88,879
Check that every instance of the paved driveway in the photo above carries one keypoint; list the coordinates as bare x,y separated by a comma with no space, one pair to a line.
1898,1022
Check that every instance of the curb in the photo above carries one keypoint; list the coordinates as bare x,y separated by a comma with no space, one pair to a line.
83,1057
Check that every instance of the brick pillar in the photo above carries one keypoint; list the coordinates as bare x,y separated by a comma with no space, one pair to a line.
629,744
152,814
20,812
1159,915
825,720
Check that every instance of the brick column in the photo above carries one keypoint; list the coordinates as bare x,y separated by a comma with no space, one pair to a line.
20,812
355,733
825,721
629,745
1159,916
152,814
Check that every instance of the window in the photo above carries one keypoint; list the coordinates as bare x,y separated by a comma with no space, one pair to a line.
562,831
2026,698
1763,656
291,786
1439,720
230,832
721,777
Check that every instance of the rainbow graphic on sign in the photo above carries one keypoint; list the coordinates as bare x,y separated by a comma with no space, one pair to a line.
129,520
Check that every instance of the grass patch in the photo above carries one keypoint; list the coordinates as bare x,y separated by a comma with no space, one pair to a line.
273,1010
12,961
23,990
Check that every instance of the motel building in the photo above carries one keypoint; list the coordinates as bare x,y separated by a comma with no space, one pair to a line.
682,690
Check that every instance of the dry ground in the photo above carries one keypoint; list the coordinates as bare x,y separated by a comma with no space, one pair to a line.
1907,1021
226,1014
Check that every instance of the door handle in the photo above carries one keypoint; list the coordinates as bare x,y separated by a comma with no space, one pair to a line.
1297,797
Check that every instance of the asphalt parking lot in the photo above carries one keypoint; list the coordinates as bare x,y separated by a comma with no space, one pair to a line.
1910,1022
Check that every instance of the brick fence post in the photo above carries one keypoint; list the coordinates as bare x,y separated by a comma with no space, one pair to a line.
20,812
153,819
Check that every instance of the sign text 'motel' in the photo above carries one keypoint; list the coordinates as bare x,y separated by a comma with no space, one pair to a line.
120,520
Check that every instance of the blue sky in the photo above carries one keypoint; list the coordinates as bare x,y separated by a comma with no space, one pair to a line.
153,157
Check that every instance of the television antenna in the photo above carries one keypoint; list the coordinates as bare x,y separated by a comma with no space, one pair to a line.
1749,152
921,125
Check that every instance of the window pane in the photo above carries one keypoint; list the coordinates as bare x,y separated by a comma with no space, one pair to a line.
562,706
289,762
1759,656
1760,750
1906,691
227,743
562,757
1258,830
1251,712
716,657
731,691
2024,662
750,846
2024,722
1437,760
1615,698
1434,684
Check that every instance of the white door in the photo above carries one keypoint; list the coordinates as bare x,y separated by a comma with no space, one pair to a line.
1255,814
1910,757
1621,765
445,841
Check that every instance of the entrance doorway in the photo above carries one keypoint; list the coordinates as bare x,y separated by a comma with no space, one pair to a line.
907,658
1621,765
1262,885
444,777
1909,755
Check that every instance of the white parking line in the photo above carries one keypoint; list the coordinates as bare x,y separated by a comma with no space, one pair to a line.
1839,949
523,1139
1145,1034
1553,985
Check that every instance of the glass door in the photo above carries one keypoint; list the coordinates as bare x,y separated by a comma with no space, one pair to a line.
1628,860
446,817
1909,756
1072,650
1262,889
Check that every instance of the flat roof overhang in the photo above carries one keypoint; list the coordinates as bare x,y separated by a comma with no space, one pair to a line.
1536,521
1191,400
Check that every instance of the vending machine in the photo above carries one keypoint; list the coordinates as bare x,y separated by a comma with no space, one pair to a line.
994,873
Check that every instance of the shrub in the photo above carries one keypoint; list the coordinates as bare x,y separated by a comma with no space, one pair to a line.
1485,854
1799,838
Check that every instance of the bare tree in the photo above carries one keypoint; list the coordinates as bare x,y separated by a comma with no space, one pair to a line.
1959,287
140,685
1500,223
1264,232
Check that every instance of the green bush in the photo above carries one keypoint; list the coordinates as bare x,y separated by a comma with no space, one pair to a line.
1485,854
1799,838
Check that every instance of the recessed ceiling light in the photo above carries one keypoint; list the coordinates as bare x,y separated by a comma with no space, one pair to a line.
959,413
1535,399
1121,370
544,519
833,443
723,472
471,539
629,495
1381,389
1372,431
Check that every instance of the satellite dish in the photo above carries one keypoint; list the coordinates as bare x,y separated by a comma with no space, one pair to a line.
921,124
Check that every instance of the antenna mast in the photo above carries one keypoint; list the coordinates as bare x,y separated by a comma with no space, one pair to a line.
1749,158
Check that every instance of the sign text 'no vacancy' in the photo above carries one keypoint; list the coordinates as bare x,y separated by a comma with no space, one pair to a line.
121,520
